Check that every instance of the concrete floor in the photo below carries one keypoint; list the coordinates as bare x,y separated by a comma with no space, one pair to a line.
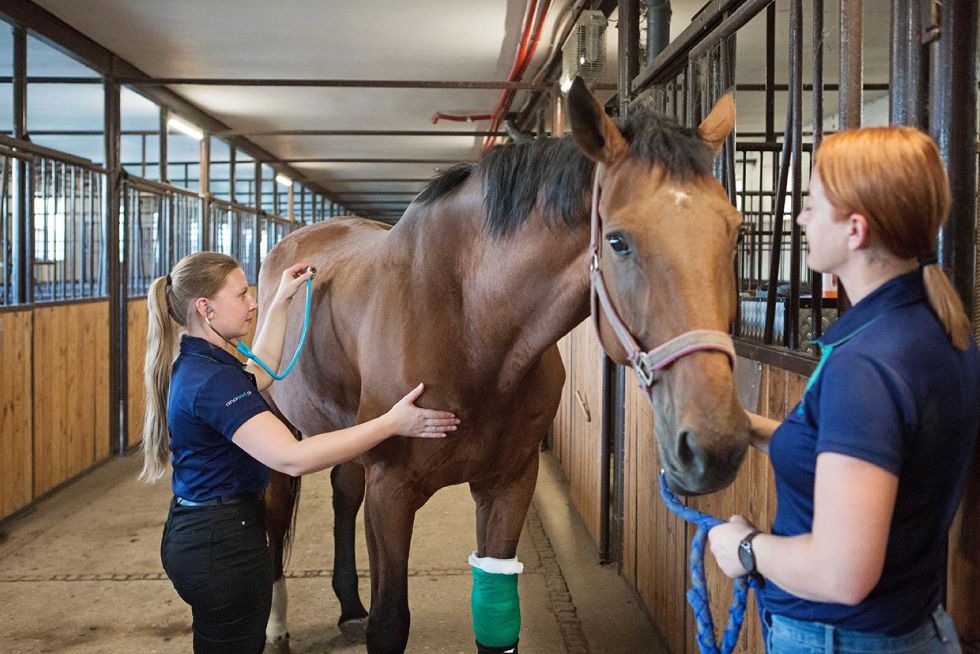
81,573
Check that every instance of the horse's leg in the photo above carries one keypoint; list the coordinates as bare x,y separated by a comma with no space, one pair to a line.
348,494
280,499
501,507
389,519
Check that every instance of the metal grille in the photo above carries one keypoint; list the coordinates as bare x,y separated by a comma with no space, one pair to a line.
8,221
233,232
584,53
186,230
69,230
274,229
146,213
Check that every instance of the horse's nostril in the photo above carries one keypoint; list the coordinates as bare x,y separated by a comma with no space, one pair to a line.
687,449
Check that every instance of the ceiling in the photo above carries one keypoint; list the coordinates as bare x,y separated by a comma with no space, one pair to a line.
436,40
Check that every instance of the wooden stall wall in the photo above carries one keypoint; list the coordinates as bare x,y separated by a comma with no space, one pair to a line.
16,411
577,431
136,325
70,391
137,318
656,543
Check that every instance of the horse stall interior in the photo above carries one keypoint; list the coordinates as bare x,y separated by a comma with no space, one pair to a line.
795,80
73,282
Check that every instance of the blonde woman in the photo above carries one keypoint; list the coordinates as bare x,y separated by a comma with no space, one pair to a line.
870,465
205,416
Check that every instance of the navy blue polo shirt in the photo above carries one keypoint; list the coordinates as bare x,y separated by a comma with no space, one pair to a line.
892,391
211,396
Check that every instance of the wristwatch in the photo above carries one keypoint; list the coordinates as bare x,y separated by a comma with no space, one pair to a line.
745,554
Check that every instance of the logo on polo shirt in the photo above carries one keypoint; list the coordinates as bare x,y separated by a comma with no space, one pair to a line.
235,399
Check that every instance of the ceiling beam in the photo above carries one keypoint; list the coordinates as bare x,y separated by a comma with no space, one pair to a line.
145,80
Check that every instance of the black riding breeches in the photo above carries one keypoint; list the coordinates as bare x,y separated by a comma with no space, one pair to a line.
218,561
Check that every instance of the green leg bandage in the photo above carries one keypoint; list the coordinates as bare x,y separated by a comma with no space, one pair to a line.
495,602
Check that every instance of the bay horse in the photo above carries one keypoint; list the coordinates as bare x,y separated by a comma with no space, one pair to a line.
469,293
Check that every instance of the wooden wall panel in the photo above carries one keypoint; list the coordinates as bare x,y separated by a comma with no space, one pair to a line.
71,390
655,541
656,544
16,411
136,319
586,421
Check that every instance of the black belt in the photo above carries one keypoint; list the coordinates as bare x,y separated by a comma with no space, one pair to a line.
220,501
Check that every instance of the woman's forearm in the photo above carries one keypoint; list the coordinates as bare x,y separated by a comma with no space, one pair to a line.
268,343
802,568
761,430
325,450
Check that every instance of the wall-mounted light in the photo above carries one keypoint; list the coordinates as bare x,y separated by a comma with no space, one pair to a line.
185,128
285,181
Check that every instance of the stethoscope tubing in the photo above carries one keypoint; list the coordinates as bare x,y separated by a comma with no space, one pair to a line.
247,352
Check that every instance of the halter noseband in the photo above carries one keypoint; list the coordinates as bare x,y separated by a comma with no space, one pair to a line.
646,364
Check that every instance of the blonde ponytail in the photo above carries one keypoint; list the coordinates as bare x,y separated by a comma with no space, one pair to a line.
947,305
201,274
161,350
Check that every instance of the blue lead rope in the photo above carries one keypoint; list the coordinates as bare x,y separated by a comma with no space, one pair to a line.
697,596
246,351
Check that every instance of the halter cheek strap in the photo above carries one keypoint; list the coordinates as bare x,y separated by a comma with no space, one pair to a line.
645,363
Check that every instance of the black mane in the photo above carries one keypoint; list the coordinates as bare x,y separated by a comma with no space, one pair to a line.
553,175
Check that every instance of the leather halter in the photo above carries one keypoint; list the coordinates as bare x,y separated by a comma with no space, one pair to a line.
646,364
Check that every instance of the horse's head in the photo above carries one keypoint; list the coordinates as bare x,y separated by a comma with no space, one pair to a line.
666,245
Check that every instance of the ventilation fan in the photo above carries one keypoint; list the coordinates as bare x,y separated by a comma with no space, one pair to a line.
584,52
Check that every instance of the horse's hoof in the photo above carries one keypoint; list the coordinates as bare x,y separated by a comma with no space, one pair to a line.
278,646
355,631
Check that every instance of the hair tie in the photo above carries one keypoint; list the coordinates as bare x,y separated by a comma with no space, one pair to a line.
929,260
170,282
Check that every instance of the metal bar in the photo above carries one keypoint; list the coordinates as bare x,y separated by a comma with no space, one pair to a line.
770,85
916,100
205,189
898,63
163,136
365,160
791,327
359,132
867,86
668,60
232,181
777,236
144,81
952,123
851,63
729,26
117,282
816,279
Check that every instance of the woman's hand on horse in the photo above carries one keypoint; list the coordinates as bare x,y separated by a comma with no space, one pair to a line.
410,420
292,279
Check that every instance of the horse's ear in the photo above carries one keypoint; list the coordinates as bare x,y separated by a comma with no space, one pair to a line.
720,122
594,131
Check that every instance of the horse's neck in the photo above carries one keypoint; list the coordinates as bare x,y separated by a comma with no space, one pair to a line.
512,297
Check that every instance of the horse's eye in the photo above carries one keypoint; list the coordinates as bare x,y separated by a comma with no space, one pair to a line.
619,245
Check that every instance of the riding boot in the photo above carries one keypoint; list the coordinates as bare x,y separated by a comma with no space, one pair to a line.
483,649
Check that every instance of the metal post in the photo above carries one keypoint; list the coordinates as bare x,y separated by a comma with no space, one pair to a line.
898,63
791,317
116,237
612,438
658,27
23,251
816,280
164,117
953,124
207,237
851,63
231,173
771,73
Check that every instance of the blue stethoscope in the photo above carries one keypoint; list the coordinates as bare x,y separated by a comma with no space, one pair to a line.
247,351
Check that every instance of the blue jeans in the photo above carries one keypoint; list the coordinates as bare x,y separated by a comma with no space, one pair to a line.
788,636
